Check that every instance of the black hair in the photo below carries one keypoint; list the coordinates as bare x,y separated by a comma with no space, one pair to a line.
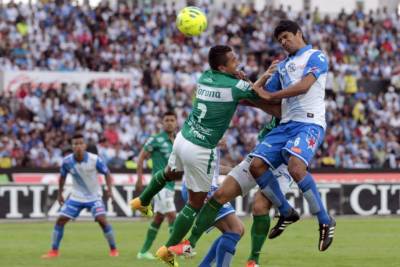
77,136
217,56
286,26
169,113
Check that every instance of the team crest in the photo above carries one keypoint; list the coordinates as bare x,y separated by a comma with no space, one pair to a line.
291,67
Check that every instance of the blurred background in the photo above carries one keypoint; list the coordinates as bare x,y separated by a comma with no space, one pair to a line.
111,68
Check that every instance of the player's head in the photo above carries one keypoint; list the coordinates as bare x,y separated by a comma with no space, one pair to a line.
78,144
222,58
289,35
169,122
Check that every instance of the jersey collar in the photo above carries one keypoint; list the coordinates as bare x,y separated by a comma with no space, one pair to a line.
222,73
85,158
301,51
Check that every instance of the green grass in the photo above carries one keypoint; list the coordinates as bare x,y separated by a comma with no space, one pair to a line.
358,242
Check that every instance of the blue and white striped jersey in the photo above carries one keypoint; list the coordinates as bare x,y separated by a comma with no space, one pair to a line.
308,107
85,185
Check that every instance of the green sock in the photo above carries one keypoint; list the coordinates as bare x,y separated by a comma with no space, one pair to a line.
205,220
259,231
170,228
151,235
156,184
182,225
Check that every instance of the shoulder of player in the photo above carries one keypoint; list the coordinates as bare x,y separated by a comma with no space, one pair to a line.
69,159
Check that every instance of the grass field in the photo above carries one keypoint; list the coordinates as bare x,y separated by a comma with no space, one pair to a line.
359,242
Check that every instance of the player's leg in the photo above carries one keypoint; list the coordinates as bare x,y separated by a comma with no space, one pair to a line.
151,236
99,214
198,164
58,233
171,217
259,228
300,150
173,172
70,210
268,154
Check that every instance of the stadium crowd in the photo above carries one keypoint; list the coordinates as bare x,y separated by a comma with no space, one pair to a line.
37,121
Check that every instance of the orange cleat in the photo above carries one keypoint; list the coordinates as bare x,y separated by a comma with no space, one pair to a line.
51,254
184,248
252,263
114,253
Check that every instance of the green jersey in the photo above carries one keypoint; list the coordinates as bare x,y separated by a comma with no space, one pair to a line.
216,99
160,147
267,128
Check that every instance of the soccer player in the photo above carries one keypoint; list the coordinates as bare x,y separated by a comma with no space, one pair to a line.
86,193
217,96
240,182
300,80
159,147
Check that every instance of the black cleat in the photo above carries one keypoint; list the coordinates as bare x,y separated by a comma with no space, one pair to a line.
326,233
283,222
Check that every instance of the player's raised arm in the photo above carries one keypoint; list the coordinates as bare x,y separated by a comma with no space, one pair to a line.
143,155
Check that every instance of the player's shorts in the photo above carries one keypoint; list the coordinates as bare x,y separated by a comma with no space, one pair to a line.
198,163
164,201
225,210
73,208
246,181
293,138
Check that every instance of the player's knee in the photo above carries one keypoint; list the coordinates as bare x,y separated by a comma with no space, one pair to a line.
260,208
297,169
172,175
257,167
221,195
240,229
61,221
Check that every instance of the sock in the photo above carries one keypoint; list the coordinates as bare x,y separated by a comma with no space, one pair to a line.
109,235
311,194
58,233
211,254
226,249
170,228
156,184
151,235
259,231
270,188
182,225
205,220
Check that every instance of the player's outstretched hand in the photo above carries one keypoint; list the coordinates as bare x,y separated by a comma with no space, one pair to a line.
60,199
272,68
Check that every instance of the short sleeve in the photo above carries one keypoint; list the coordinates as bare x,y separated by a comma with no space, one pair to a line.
273,84
101,167
64,169
149,145
243,90
317,64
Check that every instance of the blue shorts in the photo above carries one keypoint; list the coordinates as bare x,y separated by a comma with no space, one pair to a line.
293,138
224,211
72,208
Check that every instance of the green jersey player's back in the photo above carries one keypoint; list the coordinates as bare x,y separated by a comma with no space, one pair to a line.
216,99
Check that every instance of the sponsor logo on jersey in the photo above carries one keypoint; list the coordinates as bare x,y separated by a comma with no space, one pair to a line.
242,85
214,94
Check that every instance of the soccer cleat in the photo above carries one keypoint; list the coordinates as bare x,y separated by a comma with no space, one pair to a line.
183,249
283,222
252,263
50,254
114,253
166,256
145,256
136,204
326,233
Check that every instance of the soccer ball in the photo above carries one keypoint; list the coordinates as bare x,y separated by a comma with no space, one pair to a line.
191,21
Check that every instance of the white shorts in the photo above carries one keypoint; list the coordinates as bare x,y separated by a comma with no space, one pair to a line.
198,163
164,201
246,181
